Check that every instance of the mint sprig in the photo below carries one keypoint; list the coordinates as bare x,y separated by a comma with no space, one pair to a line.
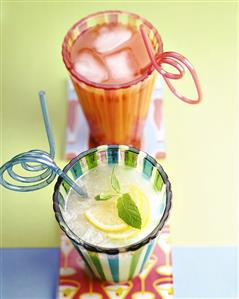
127,209
114,181
104,196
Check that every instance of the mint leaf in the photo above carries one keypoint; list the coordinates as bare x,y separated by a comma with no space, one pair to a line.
128,211
103,196
114,181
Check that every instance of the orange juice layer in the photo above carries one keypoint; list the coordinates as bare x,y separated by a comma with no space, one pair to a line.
113,54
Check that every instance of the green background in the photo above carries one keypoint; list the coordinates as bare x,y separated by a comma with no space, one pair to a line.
201,140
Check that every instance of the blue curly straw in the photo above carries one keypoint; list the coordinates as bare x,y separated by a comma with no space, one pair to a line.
44,160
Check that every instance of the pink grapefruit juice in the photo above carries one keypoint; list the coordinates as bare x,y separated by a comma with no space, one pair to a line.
113,55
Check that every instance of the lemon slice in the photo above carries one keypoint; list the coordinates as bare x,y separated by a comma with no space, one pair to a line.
104,216
142,203
123,235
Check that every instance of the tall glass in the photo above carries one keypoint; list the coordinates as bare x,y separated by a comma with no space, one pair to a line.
123,263
116,113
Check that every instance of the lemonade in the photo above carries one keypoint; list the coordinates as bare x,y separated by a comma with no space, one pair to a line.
97,221
116,227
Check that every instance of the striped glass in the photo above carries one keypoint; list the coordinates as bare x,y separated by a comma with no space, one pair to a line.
107,106
123,263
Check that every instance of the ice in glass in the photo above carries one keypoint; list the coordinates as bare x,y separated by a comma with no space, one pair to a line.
112,75
116,228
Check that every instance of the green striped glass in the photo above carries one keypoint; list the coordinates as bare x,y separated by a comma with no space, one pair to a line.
115,264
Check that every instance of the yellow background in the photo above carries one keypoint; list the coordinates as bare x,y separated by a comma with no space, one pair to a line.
201,140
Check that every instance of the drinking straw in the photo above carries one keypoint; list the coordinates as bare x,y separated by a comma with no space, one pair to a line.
45,164
176,60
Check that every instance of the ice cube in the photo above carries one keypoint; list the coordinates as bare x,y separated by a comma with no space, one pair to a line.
89,65
111,38
122,65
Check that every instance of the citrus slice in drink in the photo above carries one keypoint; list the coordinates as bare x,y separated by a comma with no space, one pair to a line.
104,216
142,203
125,235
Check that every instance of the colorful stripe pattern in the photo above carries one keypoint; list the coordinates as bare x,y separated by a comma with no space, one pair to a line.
116,113
119,267
118,264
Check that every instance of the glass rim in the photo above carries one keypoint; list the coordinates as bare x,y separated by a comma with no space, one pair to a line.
105,86
132,247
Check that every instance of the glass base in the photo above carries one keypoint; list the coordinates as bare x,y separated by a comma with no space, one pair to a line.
134,143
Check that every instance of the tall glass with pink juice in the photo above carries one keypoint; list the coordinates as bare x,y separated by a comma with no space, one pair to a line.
113,58
112,75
